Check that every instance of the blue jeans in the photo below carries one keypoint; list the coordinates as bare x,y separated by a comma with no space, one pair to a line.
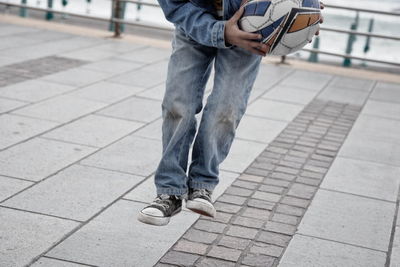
188,71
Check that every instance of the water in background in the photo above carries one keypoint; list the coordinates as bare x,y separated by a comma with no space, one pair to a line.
382,49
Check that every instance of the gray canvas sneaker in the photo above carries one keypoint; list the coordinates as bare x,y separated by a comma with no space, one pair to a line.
199,201
160,210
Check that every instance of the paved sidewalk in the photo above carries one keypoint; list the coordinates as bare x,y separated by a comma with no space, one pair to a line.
312,178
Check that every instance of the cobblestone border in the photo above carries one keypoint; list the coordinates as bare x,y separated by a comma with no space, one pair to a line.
36,68
259,213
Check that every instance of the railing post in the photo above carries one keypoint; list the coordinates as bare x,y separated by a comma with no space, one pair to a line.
64,3
49,14
138,8
88,6
314,55
22,10
117,29
350,42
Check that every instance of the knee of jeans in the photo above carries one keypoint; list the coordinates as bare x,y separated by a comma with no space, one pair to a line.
176,110
227,117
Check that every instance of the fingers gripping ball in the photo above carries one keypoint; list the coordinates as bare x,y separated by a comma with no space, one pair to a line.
286,26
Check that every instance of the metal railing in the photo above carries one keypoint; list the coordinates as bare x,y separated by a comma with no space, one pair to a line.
118,21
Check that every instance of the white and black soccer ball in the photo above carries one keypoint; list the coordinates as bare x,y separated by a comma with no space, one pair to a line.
286,26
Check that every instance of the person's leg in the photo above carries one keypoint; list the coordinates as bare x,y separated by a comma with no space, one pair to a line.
235,73
188,71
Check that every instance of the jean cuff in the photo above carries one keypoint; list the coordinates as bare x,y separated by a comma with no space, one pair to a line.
181,193
197,185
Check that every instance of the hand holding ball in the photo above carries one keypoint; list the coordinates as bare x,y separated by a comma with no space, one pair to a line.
285,26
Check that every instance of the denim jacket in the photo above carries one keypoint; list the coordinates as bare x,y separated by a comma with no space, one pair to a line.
198,19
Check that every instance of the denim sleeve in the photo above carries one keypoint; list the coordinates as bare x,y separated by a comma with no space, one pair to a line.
196,22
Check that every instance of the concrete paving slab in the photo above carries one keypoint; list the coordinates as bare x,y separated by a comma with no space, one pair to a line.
141,78
256,93
290,94
115,45
269,75
156,92
350,219
34,90
159,67
4,60
314,81
387,92
382,109
10,186
16,41
25,235
38,158
106,92
50,48
362,148
49,262
135,108
47,35
377,128
355,97
77,77
363,178
272,109
9,104
94,130
395,256
146,55
352,83
11,29
89,54
59,109
132,154
78,192
151,130
242,154
15,129
305,251
112,65
259,129
116,238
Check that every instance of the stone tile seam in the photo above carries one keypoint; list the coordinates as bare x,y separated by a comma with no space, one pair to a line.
40,213
266,118
342,242
380,116
64,260
17,178
290,72
67,142
393,230
111,170
358,195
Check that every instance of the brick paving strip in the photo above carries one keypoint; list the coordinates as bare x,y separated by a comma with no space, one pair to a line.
259,213
36,68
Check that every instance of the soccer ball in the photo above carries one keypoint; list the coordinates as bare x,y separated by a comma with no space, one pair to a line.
286,26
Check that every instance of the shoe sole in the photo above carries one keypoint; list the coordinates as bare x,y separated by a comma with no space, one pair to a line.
154,220
206,209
